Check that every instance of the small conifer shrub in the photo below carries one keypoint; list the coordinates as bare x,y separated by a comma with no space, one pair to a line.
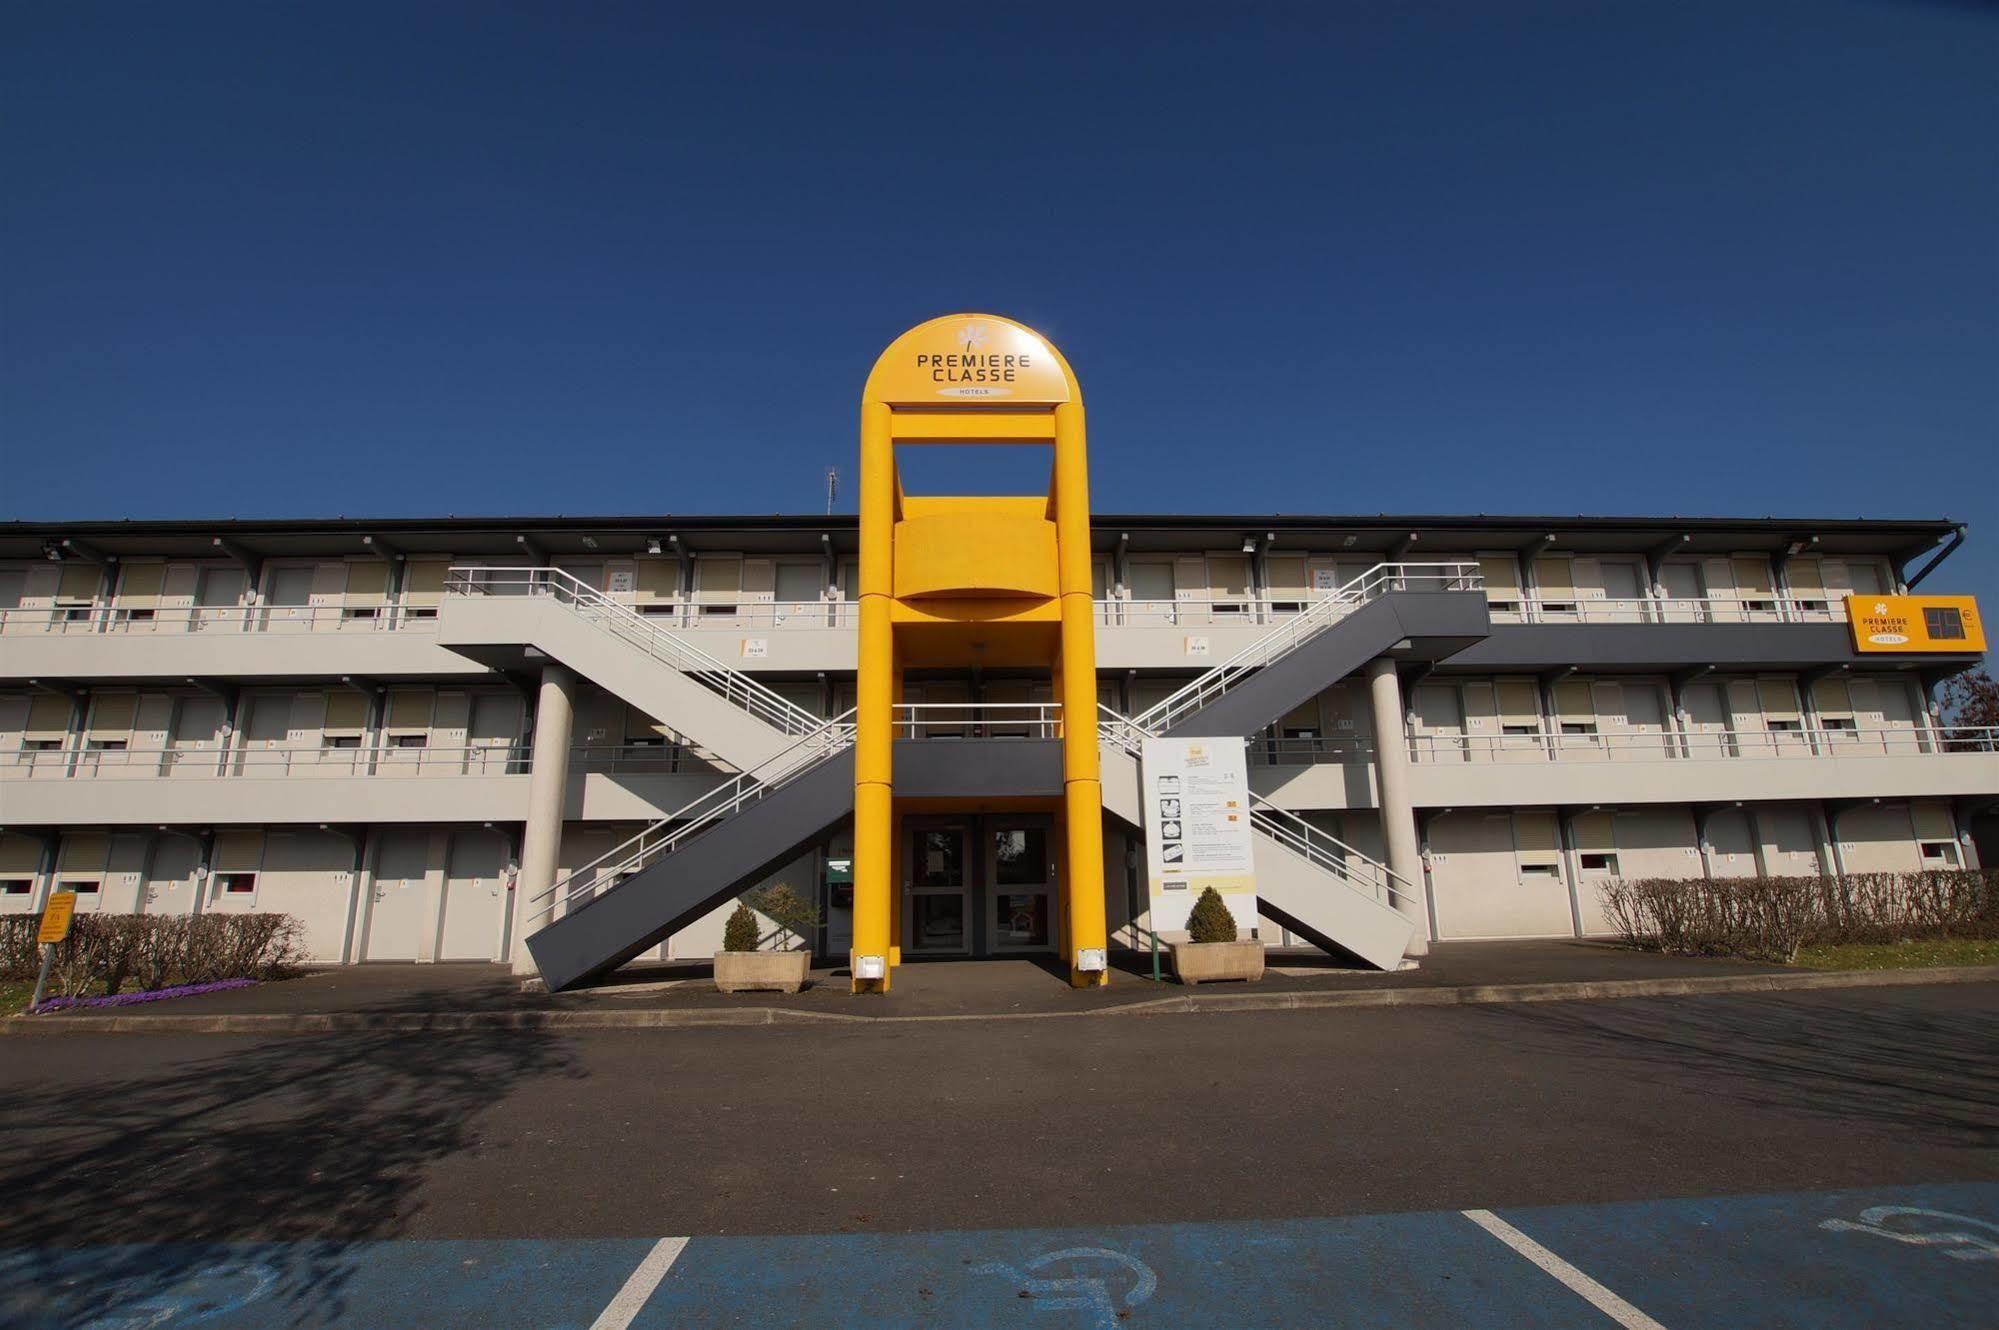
741,932
1210,920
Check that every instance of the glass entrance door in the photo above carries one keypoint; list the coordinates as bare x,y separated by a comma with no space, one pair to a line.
937,902
1020,873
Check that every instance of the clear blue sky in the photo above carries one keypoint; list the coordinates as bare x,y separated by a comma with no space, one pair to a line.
300,260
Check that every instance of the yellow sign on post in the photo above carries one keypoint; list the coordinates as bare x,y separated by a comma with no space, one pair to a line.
1915,623
55,918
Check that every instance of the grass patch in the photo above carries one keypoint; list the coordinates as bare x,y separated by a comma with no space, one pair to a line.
14,995
1900,955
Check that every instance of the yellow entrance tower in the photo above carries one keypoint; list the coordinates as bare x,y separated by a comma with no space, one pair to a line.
988,580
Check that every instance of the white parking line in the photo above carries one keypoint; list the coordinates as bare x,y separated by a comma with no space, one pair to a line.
1599,1297
640,1285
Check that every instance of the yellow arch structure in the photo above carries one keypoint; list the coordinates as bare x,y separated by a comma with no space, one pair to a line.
954,581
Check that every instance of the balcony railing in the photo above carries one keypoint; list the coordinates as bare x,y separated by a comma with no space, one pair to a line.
342,617
1303,750
256,763
1817,741
1193,611
667,759
978,720
1629,746
1585,608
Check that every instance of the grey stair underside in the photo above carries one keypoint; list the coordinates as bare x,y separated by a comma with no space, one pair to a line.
709,868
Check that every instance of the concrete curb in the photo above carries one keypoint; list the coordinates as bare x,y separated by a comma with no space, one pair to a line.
449,1022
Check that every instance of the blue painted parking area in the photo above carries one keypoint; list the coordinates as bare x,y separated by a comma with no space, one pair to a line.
1882,1257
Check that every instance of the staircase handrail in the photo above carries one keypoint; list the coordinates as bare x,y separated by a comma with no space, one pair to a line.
1302,838
1454,575
697,815
1120,729
760,700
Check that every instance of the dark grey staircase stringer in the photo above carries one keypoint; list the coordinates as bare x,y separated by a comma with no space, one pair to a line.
1437,624
645,909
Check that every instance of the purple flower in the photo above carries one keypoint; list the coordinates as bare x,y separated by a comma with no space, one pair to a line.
128,999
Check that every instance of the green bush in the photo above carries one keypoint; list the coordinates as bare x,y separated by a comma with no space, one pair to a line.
741,932
105,953
1770,918
1210,920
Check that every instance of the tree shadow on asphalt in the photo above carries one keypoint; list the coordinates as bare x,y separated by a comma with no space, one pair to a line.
1889,1064
315,1142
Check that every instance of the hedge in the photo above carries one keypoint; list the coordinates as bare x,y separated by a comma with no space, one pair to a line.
104,952
1771,917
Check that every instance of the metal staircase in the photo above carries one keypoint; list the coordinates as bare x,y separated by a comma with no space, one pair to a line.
1437,608
1308,879
491,614
599,916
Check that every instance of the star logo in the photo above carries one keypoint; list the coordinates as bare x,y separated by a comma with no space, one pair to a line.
973,335
1880,607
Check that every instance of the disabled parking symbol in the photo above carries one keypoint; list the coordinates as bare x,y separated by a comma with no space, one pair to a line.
1096,1280
1961,1237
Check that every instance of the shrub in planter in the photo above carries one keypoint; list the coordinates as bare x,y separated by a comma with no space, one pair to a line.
741,932
1212,950
741,968
1211,920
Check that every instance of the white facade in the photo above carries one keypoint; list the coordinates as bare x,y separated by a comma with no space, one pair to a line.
288,718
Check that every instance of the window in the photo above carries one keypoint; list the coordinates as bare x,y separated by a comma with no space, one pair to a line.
1944,623
1578,727
361,611
139,616
85,887
107,745
1788,725
71,612
1518,729
412,741
1939,854
421,612
41,745
1599,864
1837,722
16,886
236,884
1536,871
343,741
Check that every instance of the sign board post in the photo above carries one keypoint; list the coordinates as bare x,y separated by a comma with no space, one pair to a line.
1197,828
56,918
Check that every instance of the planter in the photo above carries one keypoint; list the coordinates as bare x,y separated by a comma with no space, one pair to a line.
765,971
1205,962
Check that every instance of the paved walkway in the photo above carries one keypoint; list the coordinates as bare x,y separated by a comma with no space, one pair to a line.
1859,1260
927,988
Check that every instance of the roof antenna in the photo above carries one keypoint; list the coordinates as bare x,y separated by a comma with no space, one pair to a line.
832,488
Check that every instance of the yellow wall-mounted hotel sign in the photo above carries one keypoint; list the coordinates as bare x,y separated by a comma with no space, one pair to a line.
1915,623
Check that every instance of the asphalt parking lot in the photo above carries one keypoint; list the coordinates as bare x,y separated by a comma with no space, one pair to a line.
1701,1161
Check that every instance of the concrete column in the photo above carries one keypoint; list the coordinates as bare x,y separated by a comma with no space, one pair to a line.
548,788
1398,814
